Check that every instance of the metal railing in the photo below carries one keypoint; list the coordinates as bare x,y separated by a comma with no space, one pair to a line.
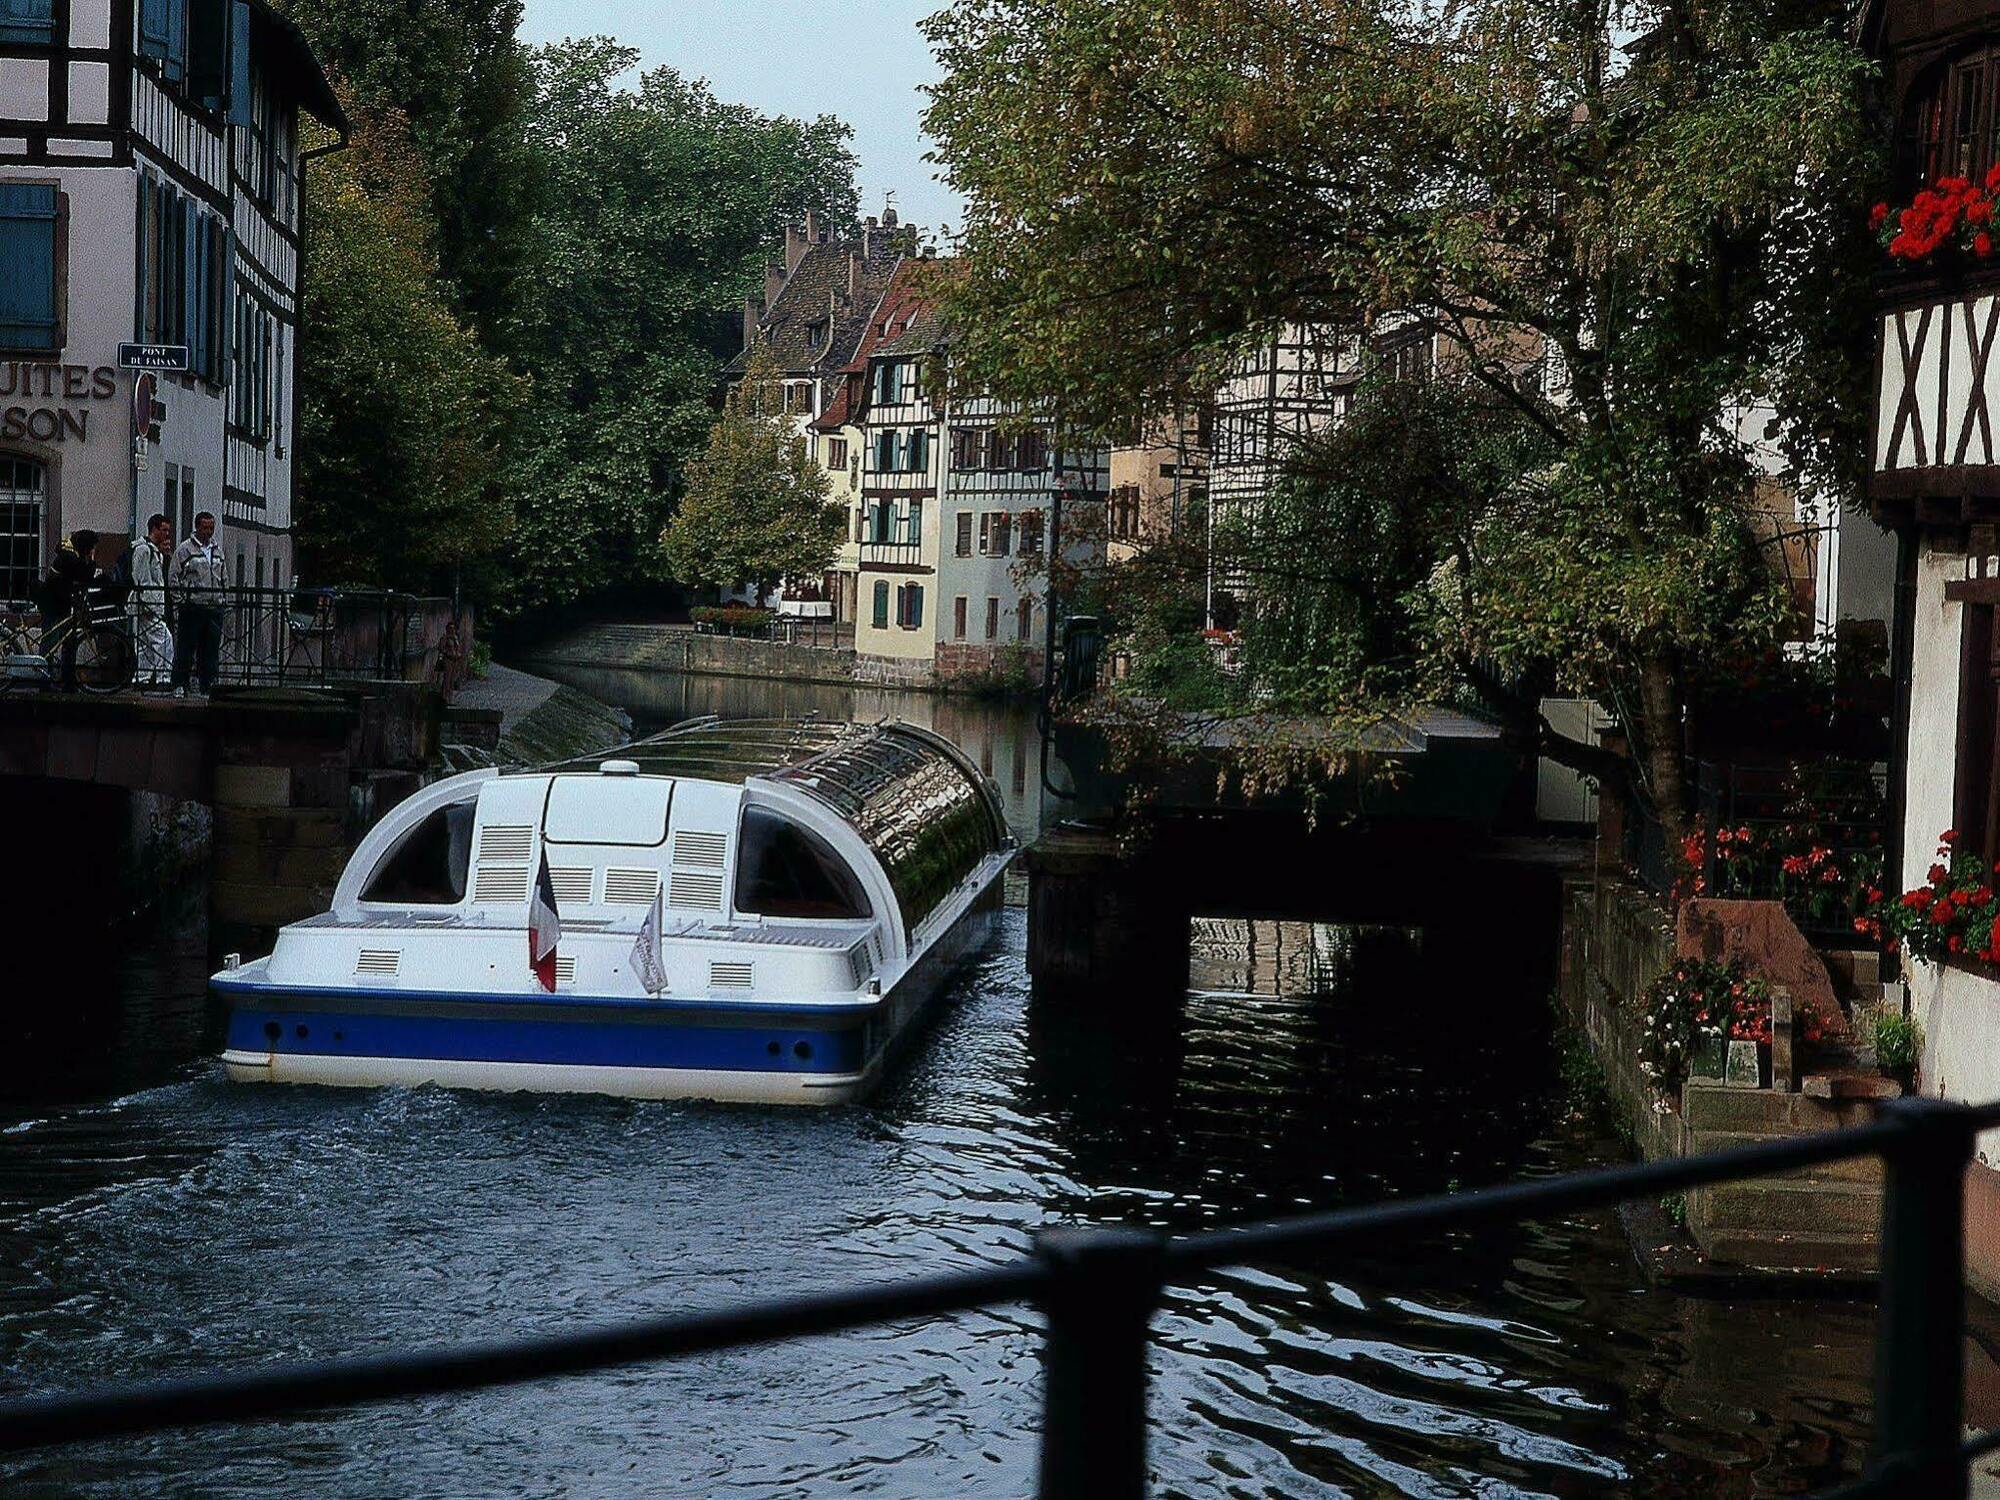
313,637
1099,1288
1837,805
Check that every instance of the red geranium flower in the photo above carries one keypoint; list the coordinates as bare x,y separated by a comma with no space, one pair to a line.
1877,215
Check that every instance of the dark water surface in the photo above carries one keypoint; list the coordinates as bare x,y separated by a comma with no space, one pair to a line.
154,1220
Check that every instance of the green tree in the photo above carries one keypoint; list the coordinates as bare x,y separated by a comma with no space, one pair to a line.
660,208
756,509
402,414
1670,197
458,73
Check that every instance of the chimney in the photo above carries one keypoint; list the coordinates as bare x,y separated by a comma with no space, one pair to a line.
889,217
753,312
814,234
774,283
867,237
854,264
796,241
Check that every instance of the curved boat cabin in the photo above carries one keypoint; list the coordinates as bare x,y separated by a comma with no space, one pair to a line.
753,911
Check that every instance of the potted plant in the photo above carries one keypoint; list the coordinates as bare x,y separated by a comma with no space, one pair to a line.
1899,1044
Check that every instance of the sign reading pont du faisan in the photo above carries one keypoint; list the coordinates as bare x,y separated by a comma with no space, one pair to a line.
51,403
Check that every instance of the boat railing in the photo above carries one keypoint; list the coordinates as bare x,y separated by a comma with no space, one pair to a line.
1099,1288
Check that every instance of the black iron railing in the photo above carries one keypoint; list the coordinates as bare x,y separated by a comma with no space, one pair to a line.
1808,835
1098,1289
309,637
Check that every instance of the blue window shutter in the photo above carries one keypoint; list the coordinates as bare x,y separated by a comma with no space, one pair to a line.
27,266
139,255
155,20
27,21
239,63
881,605
916,605
175,66
190,268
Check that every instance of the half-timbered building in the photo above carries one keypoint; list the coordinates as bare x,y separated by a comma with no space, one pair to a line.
150,171
811,319
1934,476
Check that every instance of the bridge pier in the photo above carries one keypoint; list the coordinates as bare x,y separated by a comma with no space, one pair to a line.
1102,925
293,776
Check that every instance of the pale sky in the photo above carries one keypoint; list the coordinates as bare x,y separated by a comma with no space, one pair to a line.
862,63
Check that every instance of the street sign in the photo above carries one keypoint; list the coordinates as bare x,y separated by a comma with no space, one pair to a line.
153,357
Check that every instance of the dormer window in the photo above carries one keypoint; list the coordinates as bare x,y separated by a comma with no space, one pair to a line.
1950,120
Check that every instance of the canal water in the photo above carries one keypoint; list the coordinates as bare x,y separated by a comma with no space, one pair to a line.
154,1220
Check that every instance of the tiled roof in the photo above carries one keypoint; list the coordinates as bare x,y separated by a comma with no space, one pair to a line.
815,298
897,324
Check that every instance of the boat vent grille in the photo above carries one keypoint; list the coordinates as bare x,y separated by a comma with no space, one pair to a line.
862,965
565,970
378,961
572,884
692,847
501,884
506,842
728,974
631,887
692,890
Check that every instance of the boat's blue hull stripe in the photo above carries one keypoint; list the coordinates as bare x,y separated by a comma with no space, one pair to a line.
263,991
459,1038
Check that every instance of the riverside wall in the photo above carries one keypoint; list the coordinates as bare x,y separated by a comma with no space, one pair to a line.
958,667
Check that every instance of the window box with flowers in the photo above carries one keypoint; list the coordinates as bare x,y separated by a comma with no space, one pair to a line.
1949,919
1953,217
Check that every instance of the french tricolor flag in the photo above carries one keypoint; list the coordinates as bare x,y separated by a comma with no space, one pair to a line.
544,928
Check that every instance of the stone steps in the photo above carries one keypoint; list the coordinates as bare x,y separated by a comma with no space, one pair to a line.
1861,1169
1829,1251
1708,1106
1790,1206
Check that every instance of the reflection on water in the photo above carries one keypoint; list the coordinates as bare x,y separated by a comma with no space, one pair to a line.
171,1223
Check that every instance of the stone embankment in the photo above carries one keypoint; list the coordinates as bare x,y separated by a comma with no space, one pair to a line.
1615,942
677,648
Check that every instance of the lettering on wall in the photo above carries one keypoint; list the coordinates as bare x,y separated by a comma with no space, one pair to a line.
63,391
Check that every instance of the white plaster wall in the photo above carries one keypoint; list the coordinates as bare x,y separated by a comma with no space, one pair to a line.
24,88
91,480
1933,736
1959,1011
90,92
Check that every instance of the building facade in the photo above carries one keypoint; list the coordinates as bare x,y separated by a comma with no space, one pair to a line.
812,316
1159,485
1935,479
150,173
951,500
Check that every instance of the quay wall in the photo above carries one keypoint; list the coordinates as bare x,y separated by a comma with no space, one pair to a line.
974,667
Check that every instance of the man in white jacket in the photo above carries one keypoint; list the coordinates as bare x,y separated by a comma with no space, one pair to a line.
149,602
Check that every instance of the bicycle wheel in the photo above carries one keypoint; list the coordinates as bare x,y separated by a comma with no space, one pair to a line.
104,659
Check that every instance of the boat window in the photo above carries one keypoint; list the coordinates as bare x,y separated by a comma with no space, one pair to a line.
626,810
428,867
784,870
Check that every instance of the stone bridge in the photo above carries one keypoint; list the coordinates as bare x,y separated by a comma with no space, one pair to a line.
293,775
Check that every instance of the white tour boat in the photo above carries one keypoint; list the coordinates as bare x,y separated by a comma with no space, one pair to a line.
753,910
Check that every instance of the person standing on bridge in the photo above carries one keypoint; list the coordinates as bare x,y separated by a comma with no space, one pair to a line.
197,579
149,602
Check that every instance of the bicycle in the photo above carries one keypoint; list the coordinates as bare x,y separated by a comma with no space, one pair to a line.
31,653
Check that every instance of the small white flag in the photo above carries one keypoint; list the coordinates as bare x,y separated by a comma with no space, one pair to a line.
647,960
